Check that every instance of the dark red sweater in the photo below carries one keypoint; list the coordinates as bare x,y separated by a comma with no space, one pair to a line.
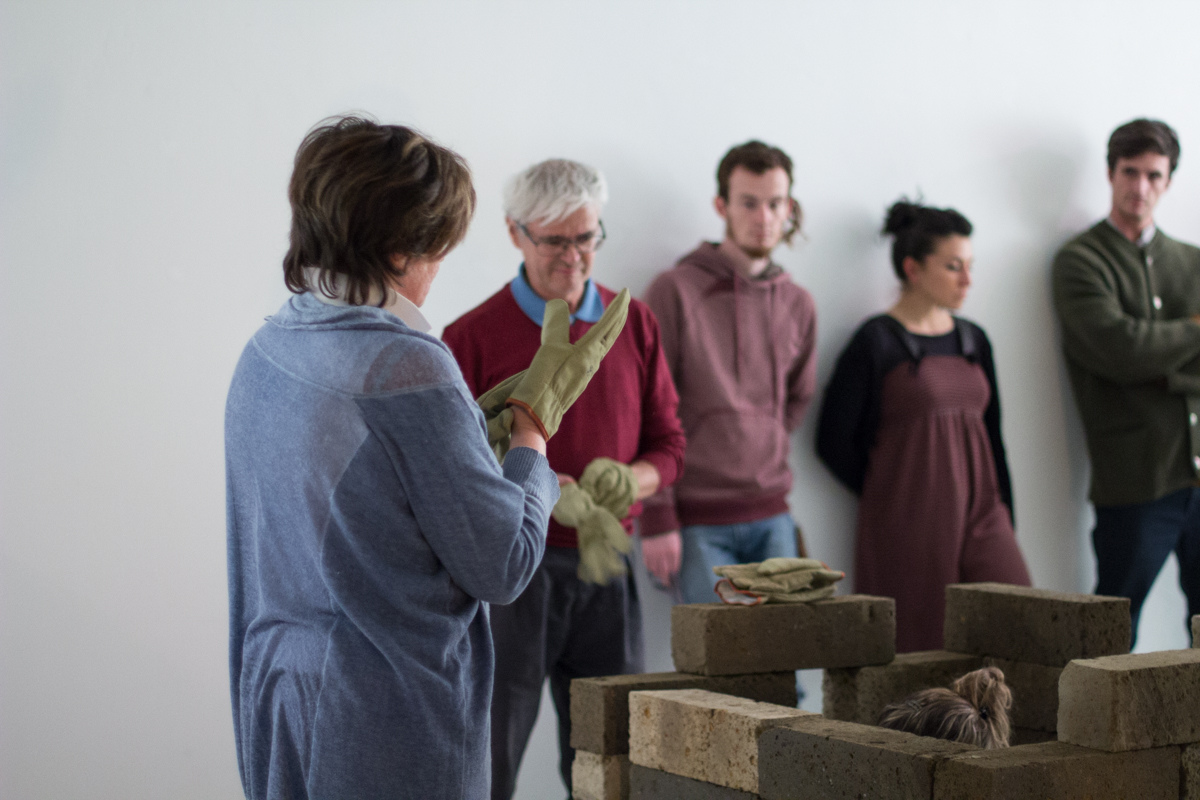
627,413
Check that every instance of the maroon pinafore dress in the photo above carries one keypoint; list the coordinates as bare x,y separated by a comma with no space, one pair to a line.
930,513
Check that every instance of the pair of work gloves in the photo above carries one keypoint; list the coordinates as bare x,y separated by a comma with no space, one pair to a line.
776,580
557,375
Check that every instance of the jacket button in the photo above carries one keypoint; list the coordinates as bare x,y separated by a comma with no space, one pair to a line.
1196,462
1158,302
1193,419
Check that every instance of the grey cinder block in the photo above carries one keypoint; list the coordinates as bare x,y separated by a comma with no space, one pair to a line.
860,694
814,758
1034,625
1131,702
717,639
654,784
600,706
702,735
1059,771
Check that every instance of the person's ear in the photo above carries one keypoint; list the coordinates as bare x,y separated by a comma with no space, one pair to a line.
514,232
910,266
720,205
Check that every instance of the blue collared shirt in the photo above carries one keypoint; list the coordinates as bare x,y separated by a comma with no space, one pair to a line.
591,307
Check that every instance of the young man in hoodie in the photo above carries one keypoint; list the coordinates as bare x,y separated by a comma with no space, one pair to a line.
740,341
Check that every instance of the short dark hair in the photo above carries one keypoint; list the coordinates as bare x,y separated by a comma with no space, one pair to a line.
1143,136
917,228
759,158
361,192
973,710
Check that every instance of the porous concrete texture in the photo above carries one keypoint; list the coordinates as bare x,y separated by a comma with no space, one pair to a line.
860,694
1020,736
719,639
600,706
1059,771
814,758
1196,631
1036,626
703,735
1189,772
1035,693
1131,702
597,777
654,784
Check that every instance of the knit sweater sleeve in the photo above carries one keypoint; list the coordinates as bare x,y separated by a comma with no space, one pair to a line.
661,441
1102,336
849,415
485,524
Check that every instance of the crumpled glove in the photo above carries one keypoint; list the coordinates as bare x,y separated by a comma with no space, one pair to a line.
601,537
777,580
497,414
560,371
611,484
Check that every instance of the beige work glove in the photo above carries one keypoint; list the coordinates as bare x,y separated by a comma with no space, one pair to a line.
560,371
782,580
611,484
499,417
602,540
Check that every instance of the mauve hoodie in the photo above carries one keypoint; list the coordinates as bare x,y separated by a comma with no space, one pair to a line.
742,352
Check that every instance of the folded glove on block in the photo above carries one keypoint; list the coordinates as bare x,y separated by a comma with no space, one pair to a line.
602,539
776,580
557,375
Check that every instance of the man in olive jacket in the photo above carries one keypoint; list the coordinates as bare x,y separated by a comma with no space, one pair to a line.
1128,298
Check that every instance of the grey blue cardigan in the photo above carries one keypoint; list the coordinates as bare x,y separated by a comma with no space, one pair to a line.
1133,356
368,527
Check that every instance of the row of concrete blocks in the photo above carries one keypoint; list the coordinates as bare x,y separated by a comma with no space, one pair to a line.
1031,634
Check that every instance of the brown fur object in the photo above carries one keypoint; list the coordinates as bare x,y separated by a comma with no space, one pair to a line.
973,710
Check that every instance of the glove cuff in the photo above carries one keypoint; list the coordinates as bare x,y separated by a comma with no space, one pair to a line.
531,413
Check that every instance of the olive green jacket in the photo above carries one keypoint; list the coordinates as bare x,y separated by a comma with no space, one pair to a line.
1133,356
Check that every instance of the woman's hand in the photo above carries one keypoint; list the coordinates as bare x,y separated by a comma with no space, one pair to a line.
526,432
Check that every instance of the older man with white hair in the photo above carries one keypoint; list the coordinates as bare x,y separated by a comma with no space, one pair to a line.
620,442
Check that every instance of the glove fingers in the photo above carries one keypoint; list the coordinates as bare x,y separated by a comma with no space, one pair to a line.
556,323
600,337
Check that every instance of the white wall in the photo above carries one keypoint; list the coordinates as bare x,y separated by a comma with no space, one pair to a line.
144,152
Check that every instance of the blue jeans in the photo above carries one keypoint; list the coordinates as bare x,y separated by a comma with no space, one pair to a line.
708,546
1132,543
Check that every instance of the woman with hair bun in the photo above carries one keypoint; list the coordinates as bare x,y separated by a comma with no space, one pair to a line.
911,423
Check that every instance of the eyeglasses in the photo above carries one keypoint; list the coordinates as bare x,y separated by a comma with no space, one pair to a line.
584,243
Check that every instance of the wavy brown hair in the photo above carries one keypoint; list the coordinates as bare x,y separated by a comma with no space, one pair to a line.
362,192
973,710
758,158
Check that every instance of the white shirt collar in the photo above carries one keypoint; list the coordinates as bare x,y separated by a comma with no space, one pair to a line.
394,303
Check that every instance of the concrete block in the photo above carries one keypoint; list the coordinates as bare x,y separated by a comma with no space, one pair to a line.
1035,693
860,694
814,758
600,706
654,784
702,735
718,639
1036,626
1022,736
1189,773
1131,702
597,777
1060,771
